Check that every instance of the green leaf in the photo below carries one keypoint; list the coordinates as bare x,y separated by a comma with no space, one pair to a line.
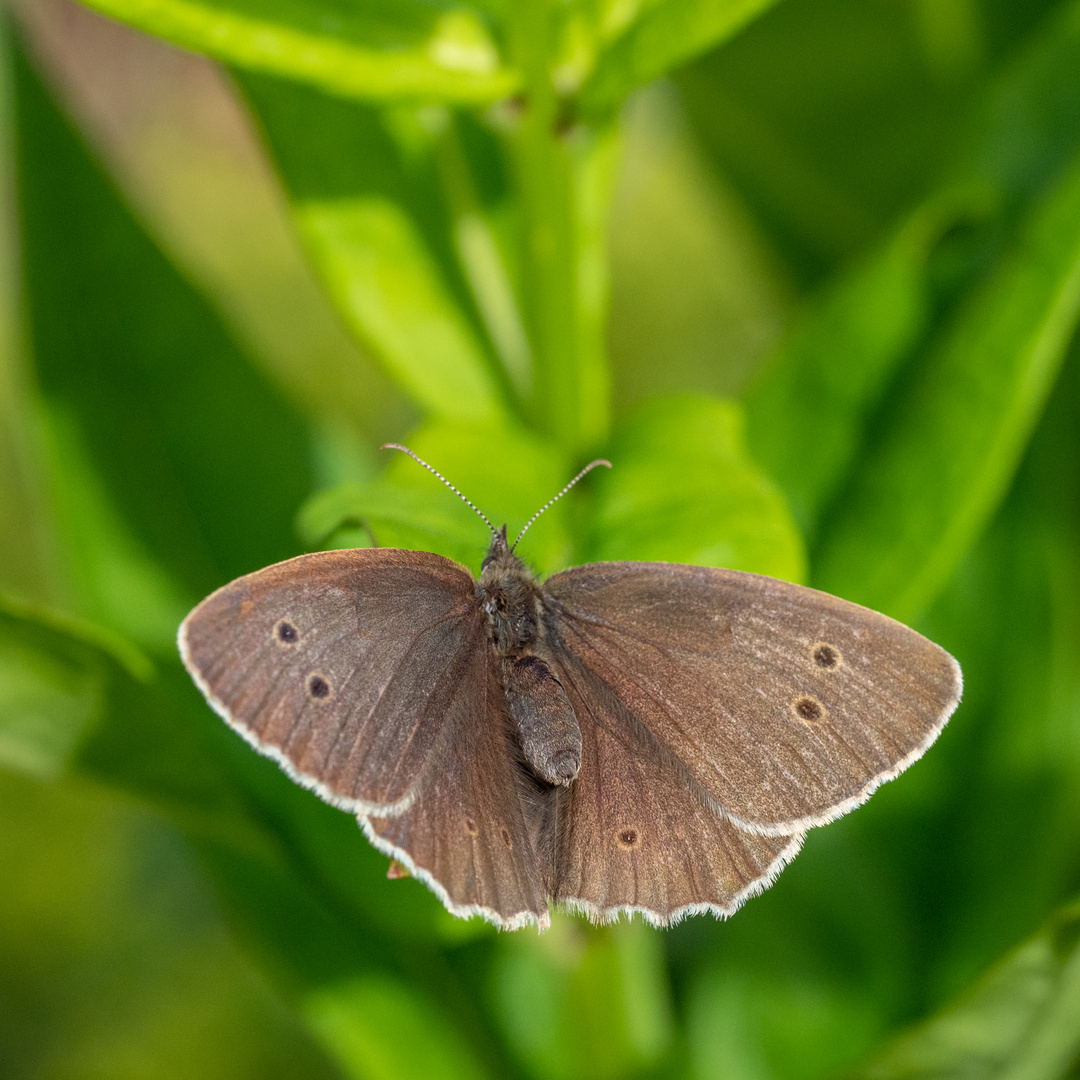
363,188
1028,132
110,576
666,35
203,462
405,50
1021,1022
952,443
390,516
827,125
684,489
750,1023
27,554
377,269
54,678
378,1028
808,414
825,386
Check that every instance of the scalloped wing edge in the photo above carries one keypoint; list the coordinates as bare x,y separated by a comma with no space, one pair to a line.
542,920
602,916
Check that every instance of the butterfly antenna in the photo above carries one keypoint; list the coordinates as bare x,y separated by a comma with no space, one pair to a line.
435,472
588,468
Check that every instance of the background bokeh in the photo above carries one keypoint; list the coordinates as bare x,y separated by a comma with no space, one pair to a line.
807,271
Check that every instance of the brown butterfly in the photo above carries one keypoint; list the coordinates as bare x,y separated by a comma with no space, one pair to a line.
622,737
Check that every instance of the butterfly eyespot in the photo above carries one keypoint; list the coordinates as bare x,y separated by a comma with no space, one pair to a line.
470,826
826,655
318,687
285,633
629,839
806,708
506,839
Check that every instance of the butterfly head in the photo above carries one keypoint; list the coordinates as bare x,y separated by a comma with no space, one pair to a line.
508,591
500,551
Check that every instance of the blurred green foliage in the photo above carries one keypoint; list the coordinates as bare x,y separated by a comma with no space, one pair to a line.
505,231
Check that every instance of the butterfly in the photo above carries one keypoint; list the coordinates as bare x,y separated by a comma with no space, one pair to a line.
623,737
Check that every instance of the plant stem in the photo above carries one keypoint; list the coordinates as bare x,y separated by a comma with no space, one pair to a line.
545,185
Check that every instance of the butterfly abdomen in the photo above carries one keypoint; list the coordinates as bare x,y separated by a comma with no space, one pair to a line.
544,718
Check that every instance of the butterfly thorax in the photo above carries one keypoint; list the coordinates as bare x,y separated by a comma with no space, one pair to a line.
510,597
547,728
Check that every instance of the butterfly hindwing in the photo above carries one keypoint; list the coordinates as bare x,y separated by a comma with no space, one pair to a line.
636,833
465,833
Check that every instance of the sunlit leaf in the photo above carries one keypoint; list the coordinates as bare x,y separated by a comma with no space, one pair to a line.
684,489
406,49
389,516
951,444
387,286
506,471
363,193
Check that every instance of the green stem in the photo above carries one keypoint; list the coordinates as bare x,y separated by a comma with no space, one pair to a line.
546,192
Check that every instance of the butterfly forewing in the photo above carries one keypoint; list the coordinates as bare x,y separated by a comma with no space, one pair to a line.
786,706
339,665
636,833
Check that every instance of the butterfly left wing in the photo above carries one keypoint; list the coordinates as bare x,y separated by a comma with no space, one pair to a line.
784,706
367,675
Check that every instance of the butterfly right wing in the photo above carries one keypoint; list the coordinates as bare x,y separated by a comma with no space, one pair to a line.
787,707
